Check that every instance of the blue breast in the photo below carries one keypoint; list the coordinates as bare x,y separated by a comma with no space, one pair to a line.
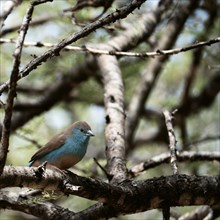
76,148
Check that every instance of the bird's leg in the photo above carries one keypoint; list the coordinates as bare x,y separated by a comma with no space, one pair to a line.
41,169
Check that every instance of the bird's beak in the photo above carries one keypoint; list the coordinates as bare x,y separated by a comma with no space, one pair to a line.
89,133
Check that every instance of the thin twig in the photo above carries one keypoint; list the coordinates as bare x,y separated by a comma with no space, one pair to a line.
92,50
182,157
102,168
172,140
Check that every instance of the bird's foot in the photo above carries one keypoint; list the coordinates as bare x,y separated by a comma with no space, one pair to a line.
41,169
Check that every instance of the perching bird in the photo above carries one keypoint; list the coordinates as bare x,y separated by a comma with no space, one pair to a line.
65,149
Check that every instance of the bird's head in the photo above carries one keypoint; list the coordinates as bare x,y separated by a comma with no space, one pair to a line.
82,130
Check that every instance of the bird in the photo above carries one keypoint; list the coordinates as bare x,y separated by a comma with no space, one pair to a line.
65,149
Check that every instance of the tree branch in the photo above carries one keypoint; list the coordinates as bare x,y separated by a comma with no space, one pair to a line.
172,140
46,210
129,197
181,156
97,51
115,117
13,83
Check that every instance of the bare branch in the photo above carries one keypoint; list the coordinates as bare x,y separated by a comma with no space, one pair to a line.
128,197
115,117
172,140
181,156
13,83
46,210
95,51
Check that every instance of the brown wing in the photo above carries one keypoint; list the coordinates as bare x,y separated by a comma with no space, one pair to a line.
57,141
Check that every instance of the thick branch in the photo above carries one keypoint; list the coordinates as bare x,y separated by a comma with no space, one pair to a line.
129,197
115,117
10,200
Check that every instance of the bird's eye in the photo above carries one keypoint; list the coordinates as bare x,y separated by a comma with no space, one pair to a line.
81,130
